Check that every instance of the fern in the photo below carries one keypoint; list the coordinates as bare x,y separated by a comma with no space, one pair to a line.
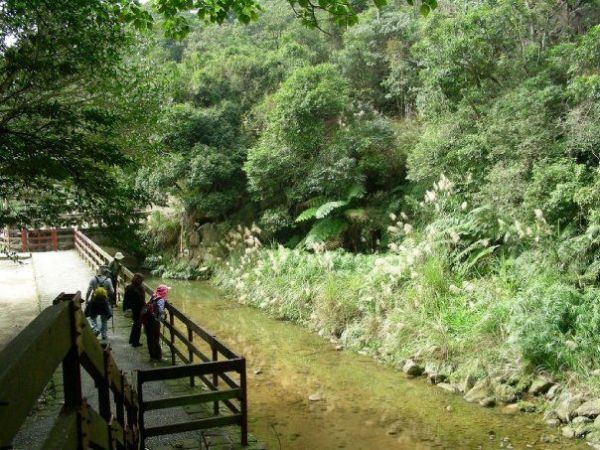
472,261
326,230
326,209
356,191
308,214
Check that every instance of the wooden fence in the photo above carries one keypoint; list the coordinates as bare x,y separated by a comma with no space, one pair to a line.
210,368
61,335
38,240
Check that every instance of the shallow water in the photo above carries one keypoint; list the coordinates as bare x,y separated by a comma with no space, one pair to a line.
363,405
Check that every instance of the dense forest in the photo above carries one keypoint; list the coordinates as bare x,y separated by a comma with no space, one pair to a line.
425,180
414,183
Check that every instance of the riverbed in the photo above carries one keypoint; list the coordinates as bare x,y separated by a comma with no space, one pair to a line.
303,394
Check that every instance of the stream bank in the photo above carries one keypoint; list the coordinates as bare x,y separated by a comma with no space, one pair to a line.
304,393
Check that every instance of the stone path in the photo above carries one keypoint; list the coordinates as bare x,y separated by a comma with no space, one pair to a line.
47,275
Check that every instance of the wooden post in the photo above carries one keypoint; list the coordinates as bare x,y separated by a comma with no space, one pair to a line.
54,237
23,240
215,357
190,352
70,369
120,403
172,341
244,402
104,390
142,428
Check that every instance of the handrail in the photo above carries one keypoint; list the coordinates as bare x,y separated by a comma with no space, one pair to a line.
209,365
61,335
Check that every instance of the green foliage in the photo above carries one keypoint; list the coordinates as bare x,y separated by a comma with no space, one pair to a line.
339,12
161,232
556,326
458,153
71,105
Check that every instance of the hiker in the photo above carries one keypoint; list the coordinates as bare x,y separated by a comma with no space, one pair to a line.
114,269
99,280
99,306
151,316
134,300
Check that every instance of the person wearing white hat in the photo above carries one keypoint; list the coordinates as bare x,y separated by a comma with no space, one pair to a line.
115,270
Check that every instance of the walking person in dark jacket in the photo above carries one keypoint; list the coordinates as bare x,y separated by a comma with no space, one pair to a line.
114,270
99,306
100,280
151,316
134,300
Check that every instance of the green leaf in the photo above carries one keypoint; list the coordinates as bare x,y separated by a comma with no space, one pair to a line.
425,9
380,3
478,256
356,191
307,214
326,209
326,230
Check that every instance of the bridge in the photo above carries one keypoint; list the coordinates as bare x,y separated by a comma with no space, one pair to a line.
110,396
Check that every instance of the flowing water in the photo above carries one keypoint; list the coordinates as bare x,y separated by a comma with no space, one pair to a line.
362,404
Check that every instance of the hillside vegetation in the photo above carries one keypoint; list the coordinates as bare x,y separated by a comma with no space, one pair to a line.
417,184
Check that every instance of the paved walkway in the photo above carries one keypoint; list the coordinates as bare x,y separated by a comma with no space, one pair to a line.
30,284
38,281
18,297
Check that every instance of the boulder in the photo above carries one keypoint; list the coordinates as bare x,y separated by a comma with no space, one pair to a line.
567,404
552,423
552,392
581,420
593,439
488,402
505,393
590,409
412,369
576,430
550,414
540,385
437,372
513,408
568,432
478,392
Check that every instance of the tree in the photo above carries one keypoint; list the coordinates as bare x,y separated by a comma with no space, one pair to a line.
340,12
67,98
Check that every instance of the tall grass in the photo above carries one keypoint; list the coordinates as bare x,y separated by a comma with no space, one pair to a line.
451,289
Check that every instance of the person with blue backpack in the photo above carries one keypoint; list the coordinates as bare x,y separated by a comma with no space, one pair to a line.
151,316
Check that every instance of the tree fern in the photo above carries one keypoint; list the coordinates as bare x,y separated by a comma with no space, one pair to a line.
308,214
326,230
326,209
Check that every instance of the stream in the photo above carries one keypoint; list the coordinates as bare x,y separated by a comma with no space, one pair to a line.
356,402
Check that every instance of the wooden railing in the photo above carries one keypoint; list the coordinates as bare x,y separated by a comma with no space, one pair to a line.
61,335
186,340
37,240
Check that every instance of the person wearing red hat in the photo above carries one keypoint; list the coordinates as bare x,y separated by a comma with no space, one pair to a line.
151,316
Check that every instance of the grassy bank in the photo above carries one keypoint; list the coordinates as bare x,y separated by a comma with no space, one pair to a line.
437,293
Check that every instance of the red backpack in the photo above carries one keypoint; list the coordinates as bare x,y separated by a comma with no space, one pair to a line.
150,311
